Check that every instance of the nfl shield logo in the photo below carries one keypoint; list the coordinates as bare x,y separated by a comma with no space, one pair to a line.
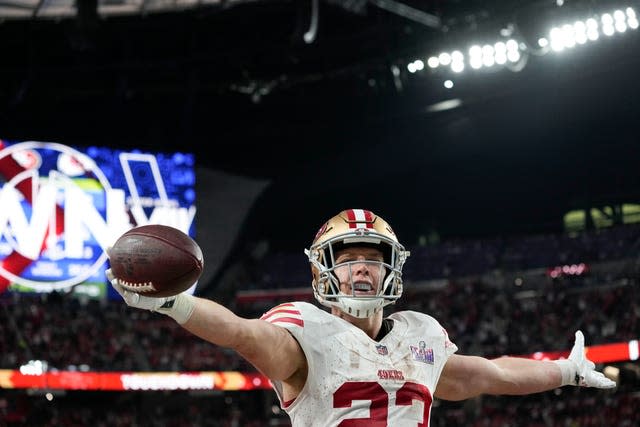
382,350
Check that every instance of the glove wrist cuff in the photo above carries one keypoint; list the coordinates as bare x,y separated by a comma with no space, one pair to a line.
569,371
179,308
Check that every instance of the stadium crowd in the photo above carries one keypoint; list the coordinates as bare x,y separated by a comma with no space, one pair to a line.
495,297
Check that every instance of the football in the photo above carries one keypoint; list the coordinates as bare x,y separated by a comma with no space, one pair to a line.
156,260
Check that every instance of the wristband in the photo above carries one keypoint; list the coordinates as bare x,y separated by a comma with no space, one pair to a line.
569,371
179,308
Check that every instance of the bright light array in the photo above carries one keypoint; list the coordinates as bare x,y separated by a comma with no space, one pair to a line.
488,55
580,32
510,52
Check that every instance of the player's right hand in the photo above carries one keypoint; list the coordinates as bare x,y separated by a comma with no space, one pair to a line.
134,299
180,307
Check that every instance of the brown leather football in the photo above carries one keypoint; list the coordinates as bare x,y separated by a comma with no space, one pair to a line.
156,260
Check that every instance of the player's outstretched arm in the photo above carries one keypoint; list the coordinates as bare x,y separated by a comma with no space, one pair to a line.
464,377
271,349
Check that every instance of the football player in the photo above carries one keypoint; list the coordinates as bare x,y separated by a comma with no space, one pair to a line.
348,363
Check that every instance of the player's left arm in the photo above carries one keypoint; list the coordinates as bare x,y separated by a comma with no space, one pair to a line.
464,377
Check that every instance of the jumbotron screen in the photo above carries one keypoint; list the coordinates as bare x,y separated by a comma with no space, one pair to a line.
62,207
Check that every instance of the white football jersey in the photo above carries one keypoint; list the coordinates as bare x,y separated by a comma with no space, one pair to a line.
356,381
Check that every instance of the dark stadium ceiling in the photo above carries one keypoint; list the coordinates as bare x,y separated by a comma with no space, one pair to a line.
165,69
251,48
224,53
269,43
326,117
428,12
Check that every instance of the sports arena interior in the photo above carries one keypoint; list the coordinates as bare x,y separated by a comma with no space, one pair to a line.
499,138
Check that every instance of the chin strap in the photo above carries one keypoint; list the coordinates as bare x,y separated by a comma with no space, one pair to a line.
359,307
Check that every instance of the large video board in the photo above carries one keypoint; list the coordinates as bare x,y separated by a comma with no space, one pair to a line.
61,207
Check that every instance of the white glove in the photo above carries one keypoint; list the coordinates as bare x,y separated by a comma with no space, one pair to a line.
577,370
179,307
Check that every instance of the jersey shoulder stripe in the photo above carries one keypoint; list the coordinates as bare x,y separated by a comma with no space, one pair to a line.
284,313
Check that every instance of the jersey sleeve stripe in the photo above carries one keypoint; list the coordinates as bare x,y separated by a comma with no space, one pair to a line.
284,304
284,313
279,306
291,320
275,312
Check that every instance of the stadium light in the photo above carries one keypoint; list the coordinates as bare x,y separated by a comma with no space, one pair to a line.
590,29
511,49
499,53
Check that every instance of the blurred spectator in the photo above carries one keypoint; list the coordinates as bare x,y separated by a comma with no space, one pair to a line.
495,299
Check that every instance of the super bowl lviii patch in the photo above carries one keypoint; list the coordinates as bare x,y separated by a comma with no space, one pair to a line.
421,353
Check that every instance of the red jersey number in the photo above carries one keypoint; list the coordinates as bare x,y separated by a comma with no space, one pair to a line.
379,409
